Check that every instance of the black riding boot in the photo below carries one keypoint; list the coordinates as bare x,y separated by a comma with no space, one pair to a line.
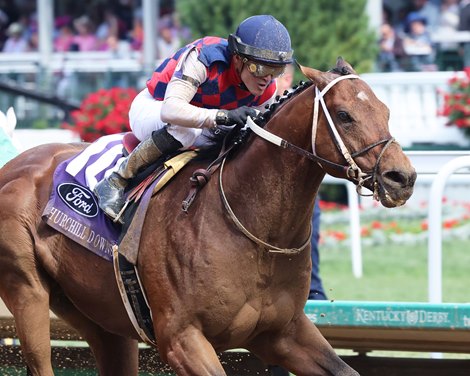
110,190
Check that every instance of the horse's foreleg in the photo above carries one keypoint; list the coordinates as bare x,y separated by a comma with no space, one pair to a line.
303,350
114,355
30,308
189,353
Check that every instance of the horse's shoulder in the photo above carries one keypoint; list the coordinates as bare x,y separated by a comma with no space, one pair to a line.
55,153
55,150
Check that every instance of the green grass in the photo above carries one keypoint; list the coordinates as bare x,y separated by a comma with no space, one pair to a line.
394,272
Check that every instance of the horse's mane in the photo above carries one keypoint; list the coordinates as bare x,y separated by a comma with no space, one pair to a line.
262,119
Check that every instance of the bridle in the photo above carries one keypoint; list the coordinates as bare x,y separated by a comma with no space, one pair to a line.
352,171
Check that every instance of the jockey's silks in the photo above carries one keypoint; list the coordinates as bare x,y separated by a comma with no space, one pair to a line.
223,87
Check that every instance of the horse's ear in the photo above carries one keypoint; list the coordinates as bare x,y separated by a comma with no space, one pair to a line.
312,74
344,67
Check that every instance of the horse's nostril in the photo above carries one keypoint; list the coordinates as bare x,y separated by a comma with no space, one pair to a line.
400,178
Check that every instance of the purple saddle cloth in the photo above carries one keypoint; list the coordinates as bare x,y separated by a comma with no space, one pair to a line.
73,209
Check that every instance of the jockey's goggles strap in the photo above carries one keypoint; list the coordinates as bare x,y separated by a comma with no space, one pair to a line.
263,70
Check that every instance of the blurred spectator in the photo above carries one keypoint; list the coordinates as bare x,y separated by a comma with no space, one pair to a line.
448,55
107,32
451,7
400,21
425,8
387,14
449,22
392,52
429,11
284,82
464,25
136,35
168,41
184,32
124,10
9,12
4,19
85,40
33,40
64,36
30,24
15,42
317,291
417,43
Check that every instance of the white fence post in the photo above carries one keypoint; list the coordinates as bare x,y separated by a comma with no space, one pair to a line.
435,227
355,233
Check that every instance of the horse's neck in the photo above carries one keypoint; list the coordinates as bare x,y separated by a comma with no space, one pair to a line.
275,187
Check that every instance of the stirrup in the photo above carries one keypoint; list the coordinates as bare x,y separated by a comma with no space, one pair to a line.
115,218
119,218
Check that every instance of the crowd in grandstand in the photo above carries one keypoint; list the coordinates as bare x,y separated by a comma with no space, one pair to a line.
108,25
419,35
407,37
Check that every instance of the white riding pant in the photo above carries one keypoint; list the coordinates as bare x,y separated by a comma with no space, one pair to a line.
144,118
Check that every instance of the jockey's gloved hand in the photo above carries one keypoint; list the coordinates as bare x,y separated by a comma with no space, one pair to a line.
235,117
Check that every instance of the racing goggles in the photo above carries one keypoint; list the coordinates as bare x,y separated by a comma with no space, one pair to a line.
262,70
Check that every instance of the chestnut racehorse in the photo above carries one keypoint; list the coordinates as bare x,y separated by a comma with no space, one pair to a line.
234,271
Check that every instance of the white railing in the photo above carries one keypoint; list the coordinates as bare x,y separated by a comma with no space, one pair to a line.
68,75
435,168
435,224
79,62
414,102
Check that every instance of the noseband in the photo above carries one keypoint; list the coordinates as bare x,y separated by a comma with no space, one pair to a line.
352,171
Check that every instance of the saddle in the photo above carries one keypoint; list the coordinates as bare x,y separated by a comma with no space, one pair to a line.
129,142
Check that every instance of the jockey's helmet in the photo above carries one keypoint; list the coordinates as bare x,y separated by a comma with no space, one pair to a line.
262,38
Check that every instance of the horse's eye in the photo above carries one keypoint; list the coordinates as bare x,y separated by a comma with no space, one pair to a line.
344,116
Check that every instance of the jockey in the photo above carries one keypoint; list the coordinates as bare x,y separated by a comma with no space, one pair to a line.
208,84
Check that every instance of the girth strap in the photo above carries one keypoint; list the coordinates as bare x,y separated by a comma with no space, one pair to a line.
133,296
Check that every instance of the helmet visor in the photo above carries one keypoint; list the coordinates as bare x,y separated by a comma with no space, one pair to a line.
263,70
236,46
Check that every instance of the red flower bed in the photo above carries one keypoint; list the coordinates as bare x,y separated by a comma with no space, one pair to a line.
101,113
456,106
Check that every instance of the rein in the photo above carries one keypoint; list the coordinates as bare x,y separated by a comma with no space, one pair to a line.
352,171
271,248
